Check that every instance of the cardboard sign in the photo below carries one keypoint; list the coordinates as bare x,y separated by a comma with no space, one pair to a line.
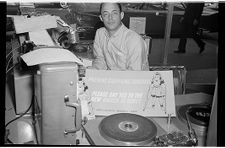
137,24
147,93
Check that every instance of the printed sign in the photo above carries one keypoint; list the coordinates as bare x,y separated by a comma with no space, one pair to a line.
147,93
137,24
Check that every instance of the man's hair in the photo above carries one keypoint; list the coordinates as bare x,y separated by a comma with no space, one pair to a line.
119,5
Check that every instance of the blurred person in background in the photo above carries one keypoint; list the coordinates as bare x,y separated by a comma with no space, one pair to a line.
190,26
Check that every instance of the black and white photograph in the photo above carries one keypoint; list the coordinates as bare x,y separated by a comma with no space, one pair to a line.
112,73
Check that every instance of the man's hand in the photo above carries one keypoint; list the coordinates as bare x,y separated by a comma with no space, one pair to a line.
195,22
181,19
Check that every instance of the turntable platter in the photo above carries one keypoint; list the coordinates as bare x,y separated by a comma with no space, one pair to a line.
126,129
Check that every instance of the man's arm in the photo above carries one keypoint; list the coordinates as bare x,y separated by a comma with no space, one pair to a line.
136,53
198,9
99,60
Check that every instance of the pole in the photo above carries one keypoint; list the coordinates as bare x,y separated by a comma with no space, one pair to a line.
167,31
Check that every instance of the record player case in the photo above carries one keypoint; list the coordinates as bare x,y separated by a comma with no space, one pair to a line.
94,137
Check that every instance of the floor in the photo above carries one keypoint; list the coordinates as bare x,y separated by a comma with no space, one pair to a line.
192,60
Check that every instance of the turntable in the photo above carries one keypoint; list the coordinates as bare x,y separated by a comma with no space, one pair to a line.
125,129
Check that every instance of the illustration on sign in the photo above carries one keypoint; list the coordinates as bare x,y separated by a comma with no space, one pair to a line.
85,100
156,98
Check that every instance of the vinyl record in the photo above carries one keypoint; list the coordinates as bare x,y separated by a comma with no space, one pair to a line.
127,129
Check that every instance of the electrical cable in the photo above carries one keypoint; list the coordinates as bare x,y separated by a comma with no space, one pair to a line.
20,115
10,68
9,62
12,51
34,100
18,118
38,108
35,131
33,116
9,141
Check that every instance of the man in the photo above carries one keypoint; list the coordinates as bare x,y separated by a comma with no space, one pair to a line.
115,46
190,24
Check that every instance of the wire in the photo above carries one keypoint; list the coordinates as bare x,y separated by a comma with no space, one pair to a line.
9,61
7,141
12,51
20,115
33,123
38,108
10,68
35,131
34,100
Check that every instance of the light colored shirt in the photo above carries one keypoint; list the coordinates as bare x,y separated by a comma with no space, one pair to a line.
124,50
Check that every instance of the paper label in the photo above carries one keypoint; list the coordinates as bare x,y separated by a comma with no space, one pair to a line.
138,24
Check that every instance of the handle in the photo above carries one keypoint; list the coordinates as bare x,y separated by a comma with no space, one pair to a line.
77,118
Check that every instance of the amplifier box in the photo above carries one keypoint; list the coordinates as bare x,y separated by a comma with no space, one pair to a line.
58,86
23,91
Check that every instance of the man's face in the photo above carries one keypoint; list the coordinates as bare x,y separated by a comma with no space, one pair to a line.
111,16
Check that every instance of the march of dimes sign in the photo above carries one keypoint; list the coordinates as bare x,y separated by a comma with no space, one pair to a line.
147,93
